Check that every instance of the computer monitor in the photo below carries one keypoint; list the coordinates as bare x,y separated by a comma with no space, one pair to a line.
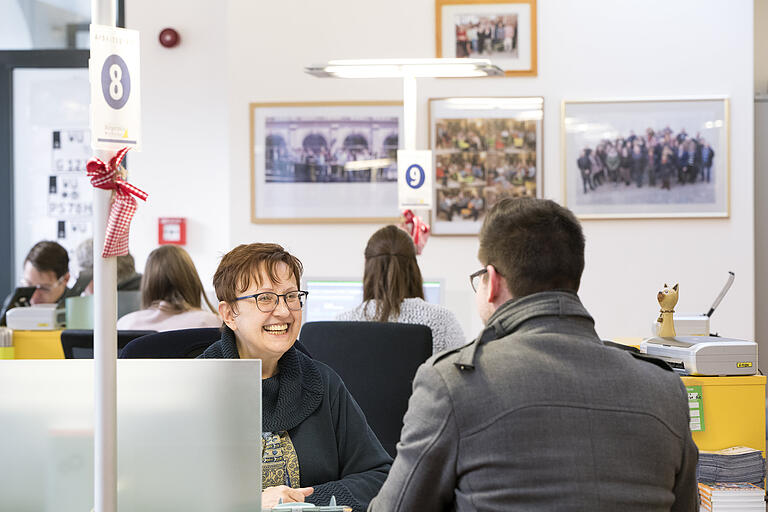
188,435
330,296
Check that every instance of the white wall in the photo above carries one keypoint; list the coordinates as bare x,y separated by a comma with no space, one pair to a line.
184,164
588,49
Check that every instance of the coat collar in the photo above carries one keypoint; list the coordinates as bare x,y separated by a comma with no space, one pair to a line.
511,317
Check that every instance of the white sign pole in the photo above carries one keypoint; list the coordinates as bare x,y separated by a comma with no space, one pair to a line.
104,12
410,107
410,123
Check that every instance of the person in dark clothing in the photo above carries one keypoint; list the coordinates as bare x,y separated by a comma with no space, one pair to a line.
707,157
638,164
316,442
585,167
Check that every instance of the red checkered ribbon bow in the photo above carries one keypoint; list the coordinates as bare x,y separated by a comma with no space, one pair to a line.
108,177
417,228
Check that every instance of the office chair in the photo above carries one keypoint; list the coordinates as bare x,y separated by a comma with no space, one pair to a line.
78,343
179,344
377,362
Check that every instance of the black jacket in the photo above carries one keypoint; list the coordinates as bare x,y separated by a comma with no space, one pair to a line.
338,453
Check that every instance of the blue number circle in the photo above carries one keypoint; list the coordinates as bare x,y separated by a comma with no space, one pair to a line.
115,82
411,180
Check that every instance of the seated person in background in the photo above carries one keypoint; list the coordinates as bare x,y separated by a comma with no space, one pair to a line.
127,277
46,267
536,413
325,447
393,290
171,294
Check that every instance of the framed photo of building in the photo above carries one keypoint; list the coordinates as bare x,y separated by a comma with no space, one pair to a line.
646,158
503,31
484,149
324,162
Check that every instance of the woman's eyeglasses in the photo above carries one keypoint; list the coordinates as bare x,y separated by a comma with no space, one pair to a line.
267,301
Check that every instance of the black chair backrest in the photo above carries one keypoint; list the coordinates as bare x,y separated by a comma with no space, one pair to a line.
377,362
179,344
78,343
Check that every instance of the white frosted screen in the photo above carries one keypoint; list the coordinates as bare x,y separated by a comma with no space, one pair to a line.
189,435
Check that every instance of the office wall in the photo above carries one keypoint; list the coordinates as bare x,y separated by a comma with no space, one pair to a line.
761,46
184,164
588,49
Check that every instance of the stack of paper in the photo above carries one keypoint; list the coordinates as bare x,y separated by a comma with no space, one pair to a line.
732,465
732,497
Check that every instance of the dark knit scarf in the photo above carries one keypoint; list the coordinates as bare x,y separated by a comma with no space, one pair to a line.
287,398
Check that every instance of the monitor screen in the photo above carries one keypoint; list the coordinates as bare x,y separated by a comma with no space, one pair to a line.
329,297
188,435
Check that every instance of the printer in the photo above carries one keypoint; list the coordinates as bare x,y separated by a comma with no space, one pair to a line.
38,317
704,355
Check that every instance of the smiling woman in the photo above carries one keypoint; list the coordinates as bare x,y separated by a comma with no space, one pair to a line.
316,442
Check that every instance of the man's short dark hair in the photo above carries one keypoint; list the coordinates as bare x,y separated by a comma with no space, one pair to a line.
49,257
536,244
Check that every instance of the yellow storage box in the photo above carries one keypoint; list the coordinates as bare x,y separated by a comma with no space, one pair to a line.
37,345
733,412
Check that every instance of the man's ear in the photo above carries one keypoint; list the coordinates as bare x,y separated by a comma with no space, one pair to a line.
498,292
494,283
227,314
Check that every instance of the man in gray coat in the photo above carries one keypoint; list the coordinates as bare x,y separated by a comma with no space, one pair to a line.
536,413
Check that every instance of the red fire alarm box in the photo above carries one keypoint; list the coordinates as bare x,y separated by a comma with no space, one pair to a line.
172,230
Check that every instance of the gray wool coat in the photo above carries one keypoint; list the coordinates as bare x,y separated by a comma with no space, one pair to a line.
537,414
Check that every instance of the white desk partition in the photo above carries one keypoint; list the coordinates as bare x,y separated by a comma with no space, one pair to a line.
189,435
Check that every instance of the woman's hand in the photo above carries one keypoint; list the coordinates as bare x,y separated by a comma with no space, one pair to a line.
271,495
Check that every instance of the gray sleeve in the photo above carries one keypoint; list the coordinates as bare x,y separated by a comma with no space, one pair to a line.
454,335
423,476
446,330
686,487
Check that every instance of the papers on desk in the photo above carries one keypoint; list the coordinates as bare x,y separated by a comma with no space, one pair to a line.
731,479
731,465
732,497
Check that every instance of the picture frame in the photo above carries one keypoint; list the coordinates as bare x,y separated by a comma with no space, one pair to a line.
304,162
646,158
503,31
483,149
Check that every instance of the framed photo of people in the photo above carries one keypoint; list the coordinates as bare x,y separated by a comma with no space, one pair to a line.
484,149
646,158
324,162
503,31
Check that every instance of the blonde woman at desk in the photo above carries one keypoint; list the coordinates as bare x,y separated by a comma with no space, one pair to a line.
171,295
393,290
316,442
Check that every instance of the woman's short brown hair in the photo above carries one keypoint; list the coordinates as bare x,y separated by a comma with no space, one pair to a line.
391,271
242,264
170,276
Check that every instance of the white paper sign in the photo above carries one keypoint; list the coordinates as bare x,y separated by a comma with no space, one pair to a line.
115,88
414,179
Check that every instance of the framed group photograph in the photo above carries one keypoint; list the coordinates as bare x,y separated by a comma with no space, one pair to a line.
503,31
484,149
646,158
324,162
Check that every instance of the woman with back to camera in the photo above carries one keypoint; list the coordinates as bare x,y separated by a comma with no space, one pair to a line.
171,295
393,290
316,442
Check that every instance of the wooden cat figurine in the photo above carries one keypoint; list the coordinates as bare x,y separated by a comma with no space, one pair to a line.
667,298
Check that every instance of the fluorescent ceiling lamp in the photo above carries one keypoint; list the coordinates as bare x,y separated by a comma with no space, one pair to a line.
398,68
